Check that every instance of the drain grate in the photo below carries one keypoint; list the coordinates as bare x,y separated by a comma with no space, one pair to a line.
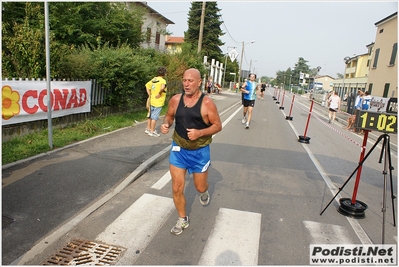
83,252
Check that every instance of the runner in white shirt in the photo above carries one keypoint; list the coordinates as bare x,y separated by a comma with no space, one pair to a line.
335,104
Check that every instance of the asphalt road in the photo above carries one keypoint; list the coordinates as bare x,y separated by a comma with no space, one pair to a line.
114,190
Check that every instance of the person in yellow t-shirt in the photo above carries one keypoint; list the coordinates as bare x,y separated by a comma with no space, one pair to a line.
156,90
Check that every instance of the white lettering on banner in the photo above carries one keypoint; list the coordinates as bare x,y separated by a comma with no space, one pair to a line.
24,101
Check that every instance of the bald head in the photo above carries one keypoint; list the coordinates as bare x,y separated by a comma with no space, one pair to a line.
193,73
191,81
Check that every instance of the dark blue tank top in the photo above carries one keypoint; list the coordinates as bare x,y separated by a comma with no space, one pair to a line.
189,117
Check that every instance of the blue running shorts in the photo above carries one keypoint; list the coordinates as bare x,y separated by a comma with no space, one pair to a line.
194,161
155,112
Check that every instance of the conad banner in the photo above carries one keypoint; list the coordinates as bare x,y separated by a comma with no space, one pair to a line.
24,101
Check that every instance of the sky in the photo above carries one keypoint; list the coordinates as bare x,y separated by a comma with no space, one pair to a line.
321,32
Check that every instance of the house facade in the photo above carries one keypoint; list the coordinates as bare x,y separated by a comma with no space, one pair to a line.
383,74
173,44
154,26
376,71
325,80
355,75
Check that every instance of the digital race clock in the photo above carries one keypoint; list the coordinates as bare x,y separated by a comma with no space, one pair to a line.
376,121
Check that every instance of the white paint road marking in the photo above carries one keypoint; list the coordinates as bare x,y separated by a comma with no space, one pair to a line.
323,233
234,239
363,237
163,181
133,229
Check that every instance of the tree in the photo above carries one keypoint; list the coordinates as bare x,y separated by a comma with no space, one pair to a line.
23,51
72,24
300,67
211,31
96,23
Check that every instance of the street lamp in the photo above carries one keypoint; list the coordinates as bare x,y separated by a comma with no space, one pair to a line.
242,53
250,66
314,82
346,60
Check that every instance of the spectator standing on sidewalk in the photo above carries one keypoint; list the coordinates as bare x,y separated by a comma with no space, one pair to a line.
249,88
334,106
366,101
196,120
209,85
156,90
358,105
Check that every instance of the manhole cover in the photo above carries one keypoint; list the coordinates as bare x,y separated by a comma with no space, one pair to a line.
83,252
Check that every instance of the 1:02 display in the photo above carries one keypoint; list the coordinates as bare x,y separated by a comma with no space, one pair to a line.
383,122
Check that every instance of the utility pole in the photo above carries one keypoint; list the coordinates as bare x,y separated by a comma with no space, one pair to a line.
201,27
48,76
239,71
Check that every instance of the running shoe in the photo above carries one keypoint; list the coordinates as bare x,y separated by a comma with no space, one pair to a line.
182,223
154,134
147,131
243,120
247,125
204,198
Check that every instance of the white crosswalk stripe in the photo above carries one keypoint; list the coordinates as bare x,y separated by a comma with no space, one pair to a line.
322,233
229,243
163,181
234,239
133,230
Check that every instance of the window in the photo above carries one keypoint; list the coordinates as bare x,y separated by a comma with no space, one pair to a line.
377,52
382,30
368,63
393,55
386,90
157,38
148,35
370,88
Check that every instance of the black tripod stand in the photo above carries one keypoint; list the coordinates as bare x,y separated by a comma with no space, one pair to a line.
358,208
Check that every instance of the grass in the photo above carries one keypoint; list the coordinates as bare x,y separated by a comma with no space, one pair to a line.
36,143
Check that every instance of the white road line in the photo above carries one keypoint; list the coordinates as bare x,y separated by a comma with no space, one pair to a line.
137,225
322,233
234,239
361,234
163,181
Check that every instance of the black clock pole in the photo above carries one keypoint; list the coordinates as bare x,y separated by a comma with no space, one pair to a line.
386,153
